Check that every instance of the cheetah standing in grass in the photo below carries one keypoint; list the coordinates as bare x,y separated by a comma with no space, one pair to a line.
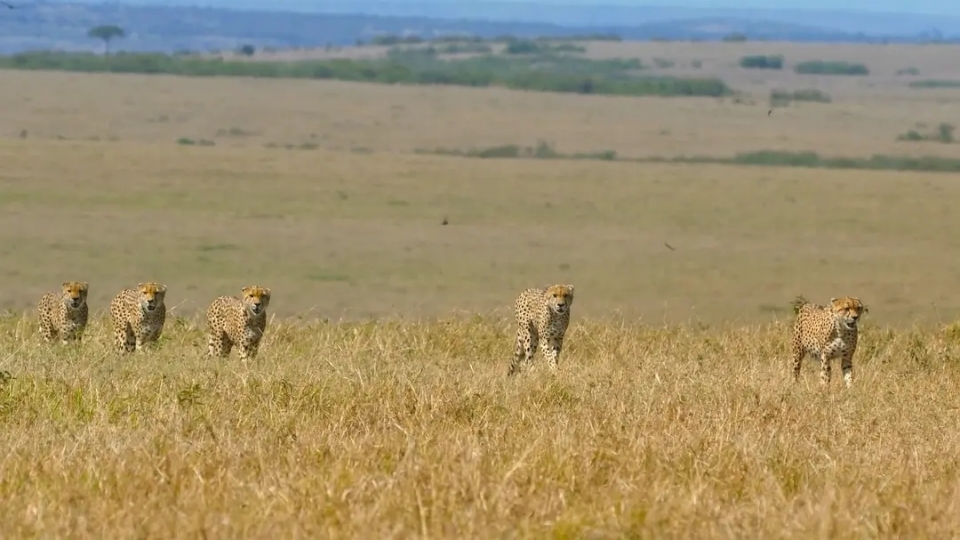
542,319
238,321
138,316
64,314
827,332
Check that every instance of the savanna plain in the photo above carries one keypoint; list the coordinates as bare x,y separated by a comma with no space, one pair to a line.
379,405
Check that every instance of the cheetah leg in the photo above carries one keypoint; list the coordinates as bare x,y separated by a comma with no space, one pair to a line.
126,343
142,337
846,365
524,350
247,351
48,333
218,344
73,334
798,354
824,368
147,337
551,351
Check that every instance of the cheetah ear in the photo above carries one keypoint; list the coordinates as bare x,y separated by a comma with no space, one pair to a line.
161,288
832,300
266,291
64,284
570,288
84,285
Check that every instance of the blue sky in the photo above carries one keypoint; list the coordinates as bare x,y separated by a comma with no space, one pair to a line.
929,6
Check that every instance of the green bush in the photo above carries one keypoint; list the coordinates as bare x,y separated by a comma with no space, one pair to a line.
822,67
935,83
776,158
568,48
764,158
912,135
468,47
762,62
390,39
736,37
784,97
523,46
944,134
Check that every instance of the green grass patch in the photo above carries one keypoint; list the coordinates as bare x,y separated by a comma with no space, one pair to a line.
549,73
541,150
762,62
944,134
823,67
766,158
781,98
935,83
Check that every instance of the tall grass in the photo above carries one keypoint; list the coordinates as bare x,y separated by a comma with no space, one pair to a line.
411,429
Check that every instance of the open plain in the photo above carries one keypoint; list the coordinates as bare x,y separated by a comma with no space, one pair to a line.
379,405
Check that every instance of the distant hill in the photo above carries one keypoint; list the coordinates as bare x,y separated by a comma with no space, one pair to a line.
569,13
63,26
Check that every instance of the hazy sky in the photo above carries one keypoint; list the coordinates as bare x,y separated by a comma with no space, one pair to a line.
939,7
916,6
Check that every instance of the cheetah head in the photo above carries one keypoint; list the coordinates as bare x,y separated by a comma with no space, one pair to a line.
151,295
559,297
848,310
74,294
256,299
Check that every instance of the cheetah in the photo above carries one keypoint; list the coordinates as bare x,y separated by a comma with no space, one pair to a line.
64,314
827,332
238,321
542,319
138,316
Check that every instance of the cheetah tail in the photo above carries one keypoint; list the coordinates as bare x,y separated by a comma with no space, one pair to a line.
798,303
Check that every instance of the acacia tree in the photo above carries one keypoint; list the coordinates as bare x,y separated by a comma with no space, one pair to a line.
106,32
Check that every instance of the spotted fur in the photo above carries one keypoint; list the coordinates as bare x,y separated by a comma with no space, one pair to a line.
64,314
543,315
238,321
138,316
827,332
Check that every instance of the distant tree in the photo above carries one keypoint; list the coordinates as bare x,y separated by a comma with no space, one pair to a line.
247,50
106,32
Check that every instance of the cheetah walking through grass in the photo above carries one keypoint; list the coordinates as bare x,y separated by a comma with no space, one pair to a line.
827,332
138,316
543,315
64,314
238,321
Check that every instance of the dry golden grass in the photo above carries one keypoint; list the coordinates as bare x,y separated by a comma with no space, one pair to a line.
412,430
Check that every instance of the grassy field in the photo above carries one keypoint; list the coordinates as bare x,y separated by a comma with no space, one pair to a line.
380,406
412,430
354,235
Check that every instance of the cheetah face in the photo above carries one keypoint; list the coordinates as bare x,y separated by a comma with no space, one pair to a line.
848,310
151,296
74,294
559,298
256,299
